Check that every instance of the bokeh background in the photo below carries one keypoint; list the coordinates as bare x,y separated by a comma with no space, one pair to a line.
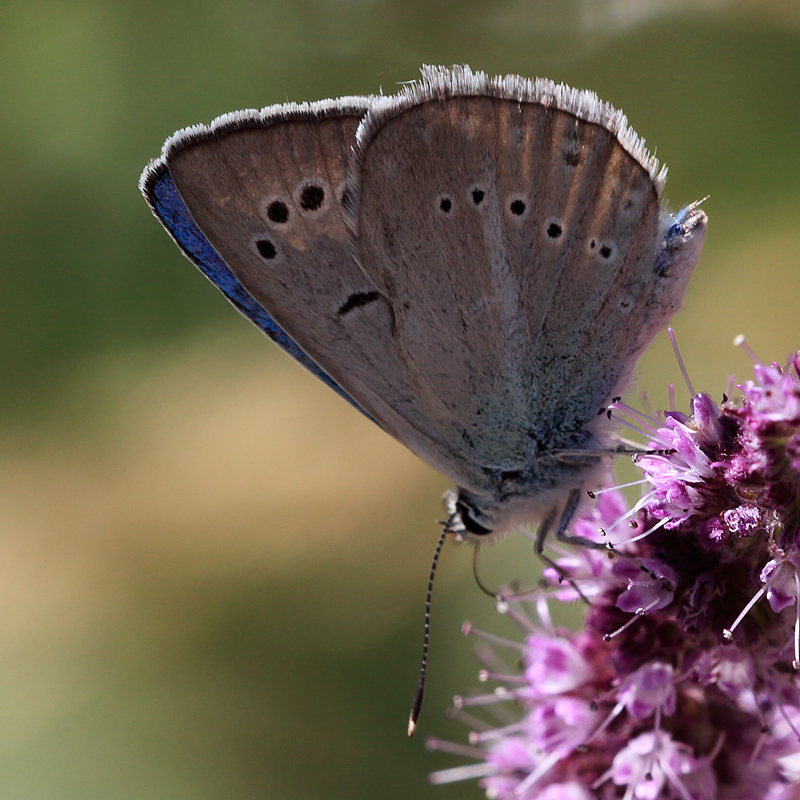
212,569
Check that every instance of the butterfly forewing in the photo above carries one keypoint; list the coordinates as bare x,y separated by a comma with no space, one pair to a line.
269,196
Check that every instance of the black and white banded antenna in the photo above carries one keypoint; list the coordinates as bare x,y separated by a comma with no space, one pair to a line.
416,708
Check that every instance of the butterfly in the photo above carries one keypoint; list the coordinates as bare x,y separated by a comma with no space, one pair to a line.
474,263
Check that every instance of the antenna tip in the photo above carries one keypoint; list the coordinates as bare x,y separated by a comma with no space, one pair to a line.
412,725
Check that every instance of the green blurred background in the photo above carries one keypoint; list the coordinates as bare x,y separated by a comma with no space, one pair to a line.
211,568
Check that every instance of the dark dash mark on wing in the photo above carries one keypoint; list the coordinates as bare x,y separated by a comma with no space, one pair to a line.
357,300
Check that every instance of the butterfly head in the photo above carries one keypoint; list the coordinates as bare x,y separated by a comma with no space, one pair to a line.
480,520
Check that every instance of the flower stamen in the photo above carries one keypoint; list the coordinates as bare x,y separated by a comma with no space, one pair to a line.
728,632
491,638
739,341
679,359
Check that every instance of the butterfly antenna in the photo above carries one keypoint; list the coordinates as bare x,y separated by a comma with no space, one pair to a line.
417,707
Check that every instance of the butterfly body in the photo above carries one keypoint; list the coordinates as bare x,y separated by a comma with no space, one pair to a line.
476,264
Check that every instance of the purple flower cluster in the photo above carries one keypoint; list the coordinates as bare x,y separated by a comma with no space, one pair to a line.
683,683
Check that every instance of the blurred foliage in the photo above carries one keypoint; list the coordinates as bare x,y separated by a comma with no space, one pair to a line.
211,569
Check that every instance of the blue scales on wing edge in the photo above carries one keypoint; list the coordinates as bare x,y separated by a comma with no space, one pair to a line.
167,203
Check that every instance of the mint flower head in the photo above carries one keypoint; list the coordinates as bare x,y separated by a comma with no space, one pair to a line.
683,683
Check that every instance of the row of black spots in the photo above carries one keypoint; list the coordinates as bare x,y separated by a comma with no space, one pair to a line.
311,199
605,250
446,205
517,206
476,196
553,230
553,227
268,252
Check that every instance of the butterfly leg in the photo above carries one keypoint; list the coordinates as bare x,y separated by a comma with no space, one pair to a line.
566,517
561,530
544,530
541,536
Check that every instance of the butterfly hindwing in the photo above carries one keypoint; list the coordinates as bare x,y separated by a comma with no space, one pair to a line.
515,235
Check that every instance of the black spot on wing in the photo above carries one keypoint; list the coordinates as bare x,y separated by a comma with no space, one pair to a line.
266,249
312,198
278,211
